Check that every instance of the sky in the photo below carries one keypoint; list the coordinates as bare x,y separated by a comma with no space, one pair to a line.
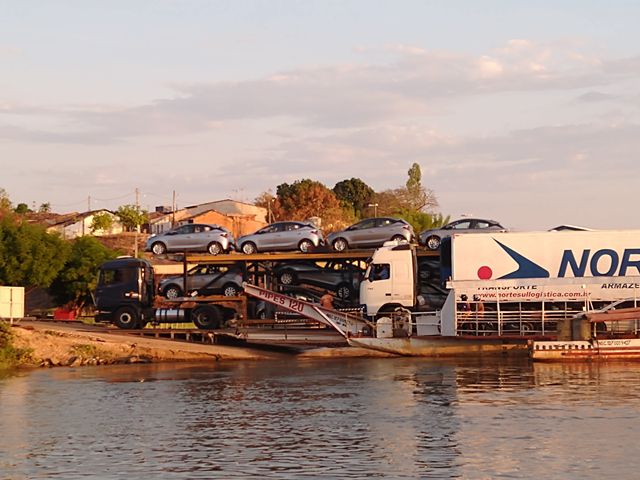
523,112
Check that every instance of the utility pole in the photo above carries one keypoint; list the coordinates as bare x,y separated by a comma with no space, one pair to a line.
173,211
135,247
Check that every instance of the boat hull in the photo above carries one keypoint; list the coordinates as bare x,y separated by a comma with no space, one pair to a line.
586,350
436,346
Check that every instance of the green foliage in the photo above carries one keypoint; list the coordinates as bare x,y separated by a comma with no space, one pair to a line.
11,356
354,192
5,202
132,216
22,208
29,256
44,208
308,198
78,278
423,221
101,221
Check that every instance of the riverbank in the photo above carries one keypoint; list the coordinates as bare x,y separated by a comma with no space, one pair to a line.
45,344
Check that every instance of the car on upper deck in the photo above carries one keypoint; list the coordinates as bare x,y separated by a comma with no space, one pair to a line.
282,236
433,237
371,233
193,237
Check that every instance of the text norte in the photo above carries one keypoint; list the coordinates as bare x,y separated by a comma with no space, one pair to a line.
602,263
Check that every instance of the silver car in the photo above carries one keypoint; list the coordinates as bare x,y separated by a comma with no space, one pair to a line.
282,236
432,238
370,233
206,280
199,237
341,277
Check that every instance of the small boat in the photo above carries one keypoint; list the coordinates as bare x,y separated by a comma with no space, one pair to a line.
608,334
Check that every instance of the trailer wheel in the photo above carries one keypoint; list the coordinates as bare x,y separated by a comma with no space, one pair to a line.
433,242
340,245
158,248
214,248
207,317
126,318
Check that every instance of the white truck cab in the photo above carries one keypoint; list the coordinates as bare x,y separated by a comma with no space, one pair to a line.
390,279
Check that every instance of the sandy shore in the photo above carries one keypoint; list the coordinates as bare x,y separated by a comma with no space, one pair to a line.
54,344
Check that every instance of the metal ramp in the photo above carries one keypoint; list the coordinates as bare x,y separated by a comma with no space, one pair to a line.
344,323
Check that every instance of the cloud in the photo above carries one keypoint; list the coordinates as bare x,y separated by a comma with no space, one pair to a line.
416,83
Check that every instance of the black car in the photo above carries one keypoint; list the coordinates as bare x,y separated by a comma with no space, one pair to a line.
341,277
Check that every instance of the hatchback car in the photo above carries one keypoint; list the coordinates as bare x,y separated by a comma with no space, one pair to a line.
432,238
206,280
371,232
281,236
343,278
198,237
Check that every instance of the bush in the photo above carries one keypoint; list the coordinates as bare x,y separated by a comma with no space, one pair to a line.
10,356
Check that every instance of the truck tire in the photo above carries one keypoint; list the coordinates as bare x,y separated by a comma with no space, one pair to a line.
207,317
126,318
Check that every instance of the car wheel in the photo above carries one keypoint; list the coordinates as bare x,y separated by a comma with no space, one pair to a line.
214,248
433,242
249,248
344,291
398,238
287,278
172,291
207,317
305,246
340,245
158,248
231,290
126,318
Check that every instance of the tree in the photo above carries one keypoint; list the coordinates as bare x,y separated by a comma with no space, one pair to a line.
101,221
5,203
22,208
307,198
266,200
356,193
44,208
421,221
418,197
77,280
29,256
132,216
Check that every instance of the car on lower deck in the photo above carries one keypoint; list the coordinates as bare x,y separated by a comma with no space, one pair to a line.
371,233
341,277
206,280
193,237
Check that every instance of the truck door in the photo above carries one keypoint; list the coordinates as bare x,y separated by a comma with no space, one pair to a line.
377,287
117,287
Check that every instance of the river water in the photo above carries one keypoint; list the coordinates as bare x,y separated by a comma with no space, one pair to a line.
355,418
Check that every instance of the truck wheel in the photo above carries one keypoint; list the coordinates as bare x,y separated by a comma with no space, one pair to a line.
340,245
126,318
207,317
214,248
158,248
433,242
